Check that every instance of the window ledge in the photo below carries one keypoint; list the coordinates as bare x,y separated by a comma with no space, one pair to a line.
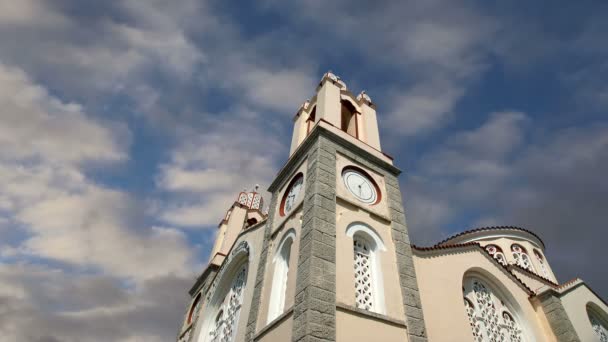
371,315
282,317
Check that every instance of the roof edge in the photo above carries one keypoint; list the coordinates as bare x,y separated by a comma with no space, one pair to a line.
489,229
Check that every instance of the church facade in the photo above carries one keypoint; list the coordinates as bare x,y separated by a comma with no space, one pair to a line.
331,259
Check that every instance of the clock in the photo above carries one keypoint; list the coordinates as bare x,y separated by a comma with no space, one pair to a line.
291,194
360,185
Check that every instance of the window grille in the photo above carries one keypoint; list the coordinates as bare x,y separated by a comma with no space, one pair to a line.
521,257
489,317
226,320
496,253
363,275
541,262
600,330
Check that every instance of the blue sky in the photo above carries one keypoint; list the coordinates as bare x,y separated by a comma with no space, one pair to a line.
128,127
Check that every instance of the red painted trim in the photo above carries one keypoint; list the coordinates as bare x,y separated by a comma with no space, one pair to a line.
291,183
365,173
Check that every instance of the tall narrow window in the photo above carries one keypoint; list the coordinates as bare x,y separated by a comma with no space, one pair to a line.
599,326
279,279
521,257
225,324
310,122
368,283
349,119
496,253
541,262
489,317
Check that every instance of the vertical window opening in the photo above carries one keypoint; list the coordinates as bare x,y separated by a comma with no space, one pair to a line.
349,119
521,257
312,118
280,277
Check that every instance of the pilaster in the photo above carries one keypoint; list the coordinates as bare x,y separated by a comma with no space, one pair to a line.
557,317
259,278
314,317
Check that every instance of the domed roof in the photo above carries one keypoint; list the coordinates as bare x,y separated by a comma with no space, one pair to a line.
497,231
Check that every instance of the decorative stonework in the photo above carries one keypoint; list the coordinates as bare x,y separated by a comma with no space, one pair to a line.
241,248
600,330
363,275
521,257
490,319
229,310
497,254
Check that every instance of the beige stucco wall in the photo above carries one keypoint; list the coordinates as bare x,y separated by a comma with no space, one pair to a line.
293,222
575,303
280,332
440,277
352,327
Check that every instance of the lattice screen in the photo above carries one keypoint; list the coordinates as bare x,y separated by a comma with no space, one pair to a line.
490,319
363,275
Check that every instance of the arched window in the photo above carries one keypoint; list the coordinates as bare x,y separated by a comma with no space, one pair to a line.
521,257
600,327
541,262
349,118
369,289
489,317
223,328
496,253
280,276
195,308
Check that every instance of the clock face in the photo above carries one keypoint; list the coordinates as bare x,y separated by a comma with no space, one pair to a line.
289,200
360,185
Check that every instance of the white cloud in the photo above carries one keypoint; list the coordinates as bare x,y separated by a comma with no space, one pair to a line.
206,171
37,125
67,217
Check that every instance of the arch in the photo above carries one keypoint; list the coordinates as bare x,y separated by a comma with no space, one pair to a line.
492,310
369,283
348,118
541,261
496,252
221,317
355,227
194,308
281,260
522,259
599,321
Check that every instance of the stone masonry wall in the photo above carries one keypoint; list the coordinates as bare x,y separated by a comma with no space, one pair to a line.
558,318
314,317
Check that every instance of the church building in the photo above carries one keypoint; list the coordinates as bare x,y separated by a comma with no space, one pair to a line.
331,258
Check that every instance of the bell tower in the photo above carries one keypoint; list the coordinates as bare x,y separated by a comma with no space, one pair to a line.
331,260
336,264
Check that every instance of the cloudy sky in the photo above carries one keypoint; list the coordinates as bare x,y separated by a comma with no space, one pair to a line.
127,127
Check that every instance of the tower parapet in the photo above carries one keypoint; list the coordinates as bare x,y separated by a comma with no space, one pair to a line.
335,104
246,211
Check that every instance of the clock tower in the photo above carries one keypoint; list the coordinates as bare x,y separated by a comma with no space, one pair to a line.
350,273
331,260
